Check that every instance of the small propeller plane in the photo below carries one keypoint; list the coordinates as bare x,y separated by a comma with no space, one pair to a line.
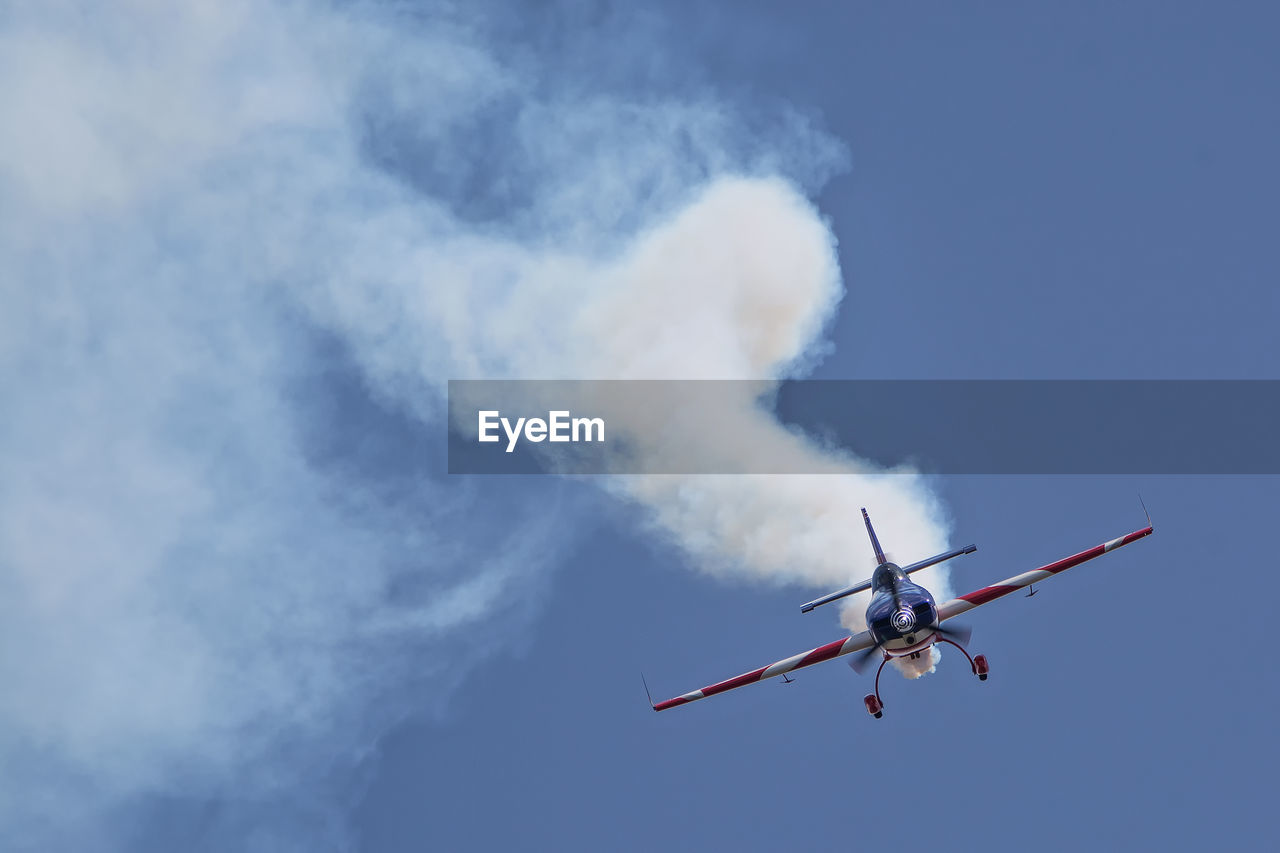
902,619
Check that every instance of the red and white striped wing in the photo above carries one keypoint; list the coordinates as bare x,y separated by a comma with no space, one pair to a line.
977,598
856,643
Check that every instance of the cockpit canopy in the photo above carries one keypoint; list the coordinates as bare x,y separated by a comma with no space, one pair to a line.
886,575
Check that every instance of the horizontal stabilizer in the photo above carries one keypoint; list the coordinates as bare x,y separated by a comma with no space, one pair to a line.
933,561
914,567
826,599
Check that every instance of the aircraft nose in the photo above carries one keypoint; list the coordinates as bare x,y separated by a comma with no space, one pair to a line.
903,620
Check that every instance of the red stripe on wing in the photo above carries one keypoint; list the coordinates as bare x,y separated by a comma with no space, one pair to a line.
1136,535
987,593
1074,560
818,655
736,681
821,653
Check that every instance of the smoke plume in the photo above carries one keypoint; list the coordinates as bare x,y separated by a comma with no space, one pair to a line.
244,246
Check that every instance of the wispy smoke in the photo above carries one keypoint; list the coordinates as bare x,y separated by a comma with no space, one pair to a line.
243,245
738,285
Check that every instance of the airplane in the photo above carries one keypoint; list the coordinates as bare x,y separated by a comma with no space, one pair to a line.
902,619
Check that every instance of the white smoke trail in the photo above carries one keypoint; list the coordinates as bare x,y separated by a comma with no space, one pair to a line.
193,197
738,285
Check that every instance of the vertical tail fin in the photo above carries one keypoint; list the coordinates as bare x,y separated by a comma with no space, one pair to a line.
875,543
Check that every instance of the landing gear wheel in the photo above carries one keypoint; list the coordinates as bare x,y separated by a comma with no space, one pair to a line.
980,667
874,708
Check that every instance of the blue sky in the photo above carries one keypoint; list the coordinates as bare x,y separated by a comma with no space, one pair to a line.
247,609
1032,193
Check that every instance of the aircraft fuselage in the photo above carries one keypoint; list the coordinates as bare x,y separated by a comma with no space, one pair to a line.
902,614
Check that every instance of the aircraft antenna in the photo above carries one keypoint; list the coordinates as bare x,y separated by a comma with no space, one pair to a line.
1144,509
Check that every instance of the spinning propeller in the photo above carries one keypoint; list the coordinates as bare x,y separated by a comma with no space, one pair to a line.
958,634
